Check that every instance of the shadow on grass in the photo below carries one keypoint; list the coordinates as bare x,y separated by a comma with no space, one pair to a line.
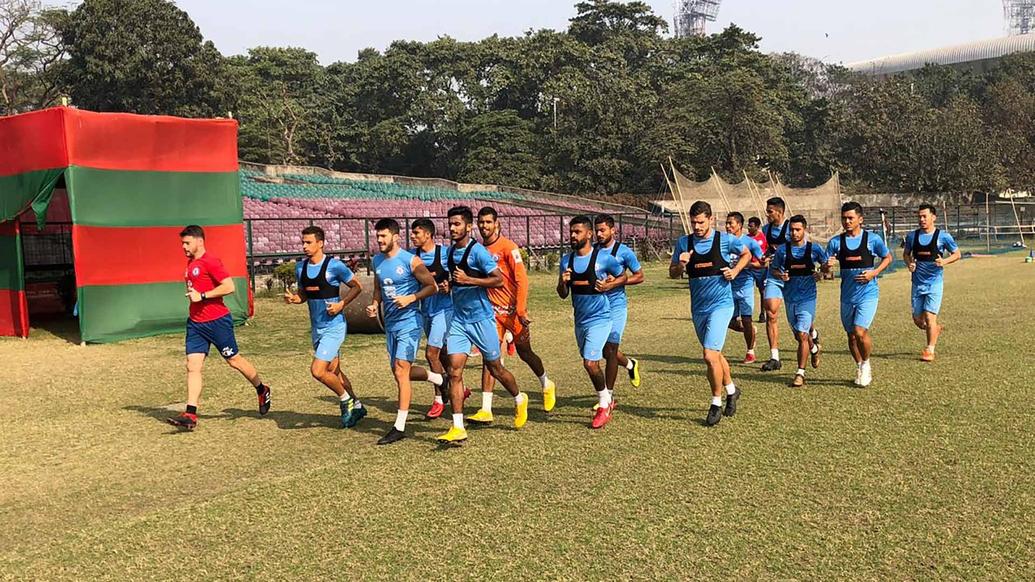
66,328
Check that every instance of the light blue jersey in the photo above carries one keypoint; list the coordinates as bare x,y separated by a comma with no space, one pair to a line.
591,308
852,291
801,288
338,273
438,302
626,257
927,274
470,302
395,277
711,292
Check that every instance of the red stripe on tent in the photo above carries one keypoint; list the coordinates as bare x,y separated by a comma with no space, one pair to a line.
148,254
123,141
9,228
32,141
14,313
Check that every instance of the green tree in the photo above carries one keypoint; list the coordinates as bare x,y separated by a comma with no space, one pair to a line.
500,148
31,55
141,56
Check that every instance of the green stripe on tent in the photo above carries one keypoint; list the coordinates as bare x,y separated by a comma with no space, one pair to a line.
19,191
11,275
120,312
117,198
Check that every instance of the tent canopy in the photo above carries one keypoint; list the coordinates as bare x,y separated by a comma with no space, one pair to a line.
133,182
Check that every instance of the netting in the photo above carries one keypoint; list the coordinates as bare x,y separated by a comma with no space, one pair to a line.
821,205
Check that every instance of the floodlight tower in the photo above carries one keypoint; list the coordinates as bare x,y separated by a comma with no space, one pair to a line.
692,15
1020,16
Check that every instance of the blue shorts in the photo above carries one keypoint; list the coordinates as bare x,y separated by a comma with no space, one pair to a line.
327,342
759,275
858,314
743,297
436,327
591,340
711,327
801,314
218,332
403,345
929,300
619,317
773,289
480,333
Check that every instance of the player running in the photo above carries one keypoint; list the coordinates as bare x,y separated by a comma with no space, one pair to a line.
588,273
510,305
856,251
703,255
924,253
744,284
400,281
626,257
472,271
209,322
796,264
755,232
320,282
436,311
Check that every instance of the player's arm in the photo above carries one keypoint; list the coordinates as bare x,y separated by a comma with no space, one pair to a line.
831,257
680,258
745,257
952,258
427,284
563,282
635,270
225,287
296,298
885,262
375,302
494,280
521,276
907,255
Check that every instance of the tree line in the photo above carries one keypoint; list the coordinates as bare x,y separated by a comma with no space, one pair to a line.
593,109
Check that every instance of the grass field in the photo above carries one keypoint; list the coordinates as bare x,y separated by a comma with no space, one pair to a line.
926,474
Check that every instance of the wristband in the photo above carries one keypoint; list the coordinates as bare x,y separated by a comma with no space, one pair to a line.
203,297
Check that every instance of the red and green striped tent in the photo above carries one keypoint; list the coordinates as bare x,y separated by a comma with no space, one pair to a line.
132,181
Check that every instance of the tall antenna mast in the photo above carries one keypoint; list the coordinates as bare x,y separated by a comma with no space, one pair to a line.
1020,16
692,15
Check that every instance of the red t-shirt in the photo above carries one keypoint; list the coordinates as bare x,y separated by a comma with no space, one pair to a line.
762,242
203,275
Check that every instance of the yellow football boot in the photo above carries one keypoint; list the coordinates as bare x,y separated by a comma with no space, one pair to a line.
549,396
634,374
521,411
453,435
481,417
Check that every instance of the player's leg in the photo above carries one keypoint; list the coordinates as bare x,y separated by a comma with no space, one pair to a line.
402,350
619,319
188,419
711,331
486,338
932,303
523,346
458,345
773,301
592,342
744,300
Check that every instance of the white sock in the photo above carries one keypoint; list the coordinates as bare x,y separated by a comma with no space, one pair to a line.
400,420
865,364
814,334
458,420
344,397
930,349
814,349
801,372
438,399
605,398
751,352
487,401
610,394
716,400
774,354
543,380
435,378
519,398
630,364
731,388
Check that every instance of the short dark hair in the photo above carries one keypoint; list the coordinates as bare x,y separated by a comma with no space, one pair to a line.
193,230
389,224
852,206
928,207
754,221
736,216
701,207
463,212
583,220
488,211
799,219
424,224
315,231
605,219
777,202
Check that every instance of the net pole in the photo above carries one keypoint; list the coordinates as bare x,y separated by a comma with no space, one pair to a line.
682,201
722,193
757,194
988,227
1017,218
678,203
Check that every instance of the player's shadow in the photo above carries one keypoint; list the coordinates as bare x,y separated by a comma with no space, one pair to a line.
163,413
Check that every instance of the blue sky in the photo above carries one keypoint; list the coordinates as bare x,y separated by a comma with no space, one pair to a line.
834,30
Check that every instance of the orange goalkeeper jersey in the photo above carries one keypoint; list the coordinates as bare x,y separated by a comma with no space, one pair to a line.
512,297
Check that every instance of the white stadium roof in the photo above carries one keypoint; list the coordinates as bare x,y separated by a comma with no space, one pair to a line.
975,55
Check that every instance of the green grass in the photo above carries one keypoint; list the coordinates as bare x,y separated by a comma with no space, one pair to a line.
926,474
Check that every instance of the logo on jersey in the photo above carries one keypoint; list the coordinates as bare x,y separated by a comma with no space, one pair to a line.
399,270
196,272
516,253
227,351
